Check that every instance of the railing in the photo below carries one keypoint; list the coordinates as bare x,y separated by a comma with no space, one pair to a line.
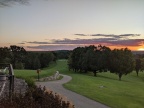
10,76
11,80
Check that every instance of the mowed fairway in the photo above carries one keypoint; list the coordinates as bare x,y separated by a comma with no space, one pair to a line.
106,88
128,93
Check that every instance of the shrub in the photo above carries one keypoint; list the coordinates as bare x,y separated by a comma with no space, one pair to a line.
19,65
28,80
34,98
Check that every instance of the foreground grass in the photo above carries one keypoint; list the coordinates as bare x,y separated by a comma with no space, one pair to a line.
106,88
128,93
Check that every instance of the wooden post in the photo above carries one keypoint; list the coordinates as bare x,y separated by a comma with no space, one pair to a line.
38,71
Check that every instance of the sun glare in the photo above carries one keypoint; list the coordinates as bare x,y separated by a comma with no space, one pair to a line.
141,49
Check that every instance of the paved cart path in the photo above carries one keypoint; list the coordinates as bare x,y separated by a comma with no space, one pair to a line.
78,100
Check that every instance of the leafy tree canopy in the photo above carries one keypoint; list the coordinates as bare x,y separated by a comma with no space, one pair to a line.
121,62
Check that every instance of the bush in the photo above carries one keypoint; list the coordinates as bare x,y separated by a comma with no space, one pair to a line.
28,80
34,98
19,65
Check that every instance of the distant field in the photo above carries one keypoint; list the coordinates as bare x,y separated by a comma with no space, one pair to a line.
106,88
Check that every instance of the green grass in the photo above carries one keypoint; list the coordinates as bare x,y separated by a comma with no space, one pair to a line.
128,93
32,73
60,66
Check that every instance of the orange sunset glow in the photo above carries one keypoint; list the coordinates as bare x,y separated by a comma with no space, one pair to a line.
141,49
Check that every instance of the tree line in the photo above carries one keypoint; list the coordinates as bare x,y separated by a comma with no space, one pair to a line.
21,59
91,58
100,58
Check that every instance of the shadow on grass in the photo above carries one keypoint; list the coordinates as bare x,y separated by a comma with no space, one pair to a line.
108,77
140,77
115,77
104,75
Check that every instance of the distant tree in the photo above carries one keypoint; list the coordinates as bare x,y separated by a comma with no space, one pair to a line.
92,60
121,62
55,56
105,58
19,65
32,60
137,65
28,62
4,54
69,62
99,59
142,64
83,62
35,60
82,65
89,58
36,63
62,54
46,58
76,57
17,54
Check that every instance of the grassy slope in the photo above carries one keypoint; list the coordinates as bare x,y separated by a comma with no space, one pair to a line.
128,93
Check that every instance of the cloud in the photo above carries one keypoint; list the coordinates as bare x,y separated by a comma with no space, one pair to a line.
53,47
130,42
111,35
105,35
6,3
69,44
113,41
104,38
121,40
81,34
21,43
35,42
75,41
133,35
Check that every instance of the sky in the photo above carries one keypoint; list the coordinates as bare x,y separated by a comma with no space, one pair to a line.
46,25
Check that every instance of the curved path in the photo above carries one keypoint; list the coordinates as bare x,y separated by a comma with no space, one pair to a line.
78,100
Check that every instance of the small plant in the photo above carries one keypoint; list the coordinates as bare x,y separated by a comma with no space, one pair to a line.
28,80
